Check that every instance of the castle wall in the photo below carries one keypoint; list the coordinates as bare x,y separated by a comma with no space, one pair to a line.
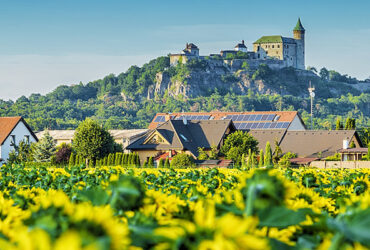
300,54
290,55
274,50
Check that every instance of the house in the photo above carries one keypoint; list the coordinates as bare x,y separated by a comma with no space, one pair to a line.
255,120
318,143
13,130
353,154
120,136
182,136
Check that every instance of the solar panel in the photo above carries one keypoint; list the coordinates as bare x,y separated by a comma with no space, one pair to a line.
267,125
260,125
264,118
246,117
285,125
254,125
270,117
273,124
228,117
243,125
239,118
159,118
258,118
252,118
249,125
279,125
237,125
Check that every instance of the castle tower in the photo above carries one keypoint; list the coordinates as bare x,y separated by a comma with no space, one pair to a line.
298,34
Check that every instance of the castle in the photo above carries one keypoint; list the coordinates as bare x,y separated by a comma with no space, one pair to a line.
275,51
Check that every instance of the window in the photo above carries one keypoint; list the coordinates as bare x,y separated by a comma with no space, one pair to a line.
272,46
278,46
184,138
12,140
27,139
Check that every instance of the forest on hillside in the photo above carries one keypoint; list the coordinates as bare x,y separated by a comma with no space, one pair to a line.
122,101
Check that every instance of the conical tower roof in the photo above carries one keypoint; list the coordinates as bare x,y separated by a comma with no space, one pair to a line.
299,26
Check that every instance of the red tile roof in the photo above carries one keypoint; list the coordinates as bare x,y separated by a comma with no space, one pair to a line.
7,124
284,116
302,160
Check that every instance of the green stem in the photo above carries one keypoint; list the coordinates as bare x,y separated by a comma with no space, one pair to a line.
251,196
336,241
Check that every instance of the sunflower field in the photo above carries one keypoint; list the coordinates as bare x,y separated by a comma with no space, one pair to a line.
81,207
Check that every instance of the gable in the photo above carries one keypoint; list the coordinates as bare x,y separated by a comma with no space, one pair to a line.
156,138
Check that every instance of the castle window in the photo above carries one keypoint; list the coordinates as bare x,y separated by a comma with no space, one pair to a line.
278,46
272,46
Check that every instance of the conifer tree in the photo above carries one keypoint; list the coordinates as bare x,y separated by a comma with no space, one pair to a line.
167,163
244,164
133,160
44,149
137,163
150,162
145,164
71,162
338,125
268,155
160,163
260,163
129,159
105,161
249,162
118,159
253,161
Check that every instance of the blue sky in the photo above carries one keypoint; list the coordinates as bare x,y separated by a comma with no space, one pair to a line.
47,43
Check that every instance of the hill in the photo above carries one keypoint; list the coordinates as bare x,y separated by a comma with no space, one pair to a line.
131,99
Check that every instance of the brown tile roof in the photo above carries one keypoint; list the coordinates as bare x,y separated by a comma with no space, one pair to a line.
284,116
7,124
312,143
302,161
186,137
271,135
353,150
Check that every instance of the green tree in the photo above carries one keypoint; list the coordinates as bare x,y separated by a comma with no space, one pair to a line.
352,144
160,163
202,155
260,163
167,163
237,144
151,162
92,141
71,161
350,124
324,74
268,155
338,124
213,154
277,153
182,160
44,149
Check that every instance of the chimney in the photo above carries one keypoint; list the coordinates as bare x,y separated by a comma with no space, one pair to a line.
184,120
242,41
345,144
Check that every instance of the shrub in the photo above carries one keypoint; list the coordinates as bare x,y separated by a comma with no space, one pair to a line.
182,161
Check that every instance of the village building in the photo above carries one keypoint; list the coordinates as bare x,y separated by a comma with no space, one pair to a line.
13,130
352,154
120,136
182,136
255,120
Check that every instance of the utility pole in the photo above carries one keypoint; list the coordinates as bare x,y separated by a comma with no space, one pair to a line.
312,95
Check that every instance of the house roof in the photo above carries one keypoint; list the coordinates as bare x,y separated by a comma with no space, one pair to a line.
115,133
313,143
7,124
299,26
189,136
274,39
264,136
303,161
241,45
236,117
191,46
354,150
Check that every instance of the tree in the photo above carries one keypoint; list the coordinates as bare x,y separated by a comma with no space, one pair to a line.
213,154
202,155
92,141
267,160
63,152
44,149
71,161
150,162
260,163
277,153
350,124
160,163
182,160
324,74
167,163
21,153
352,144
237,144
338,124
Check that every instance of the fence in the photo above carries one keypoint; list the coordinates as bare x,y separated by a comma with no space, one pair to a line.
340,164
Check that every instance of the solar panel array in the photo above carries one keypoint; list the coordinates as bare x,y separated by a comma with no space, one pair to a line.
193,117
261,125
251,118
242,122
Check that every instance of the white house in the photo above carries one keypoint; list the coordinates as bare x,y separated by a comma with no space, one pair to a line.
12,131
